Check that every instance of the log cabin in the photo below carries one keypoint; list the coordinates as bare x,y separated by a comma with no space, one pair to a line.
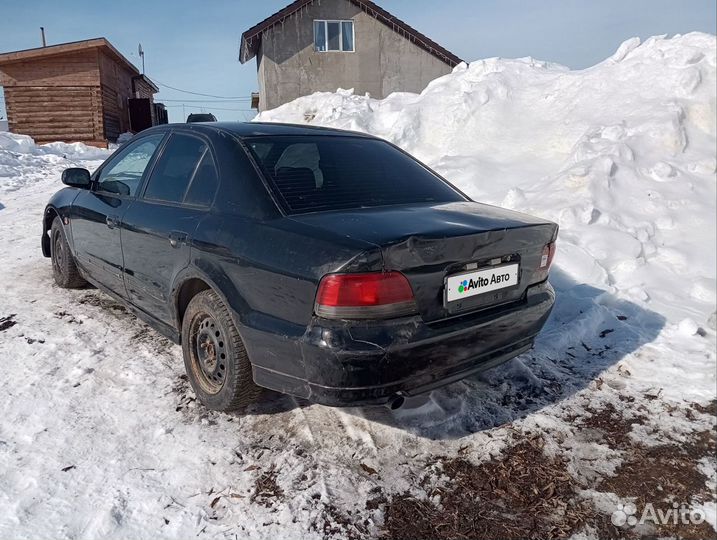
76,92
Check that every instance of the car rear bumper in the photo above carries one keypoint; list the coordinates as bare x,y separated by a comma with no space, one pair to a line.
364,363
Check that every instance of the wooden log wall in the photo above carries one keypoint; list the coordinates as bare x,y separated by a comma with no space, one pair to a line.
72,96
56,113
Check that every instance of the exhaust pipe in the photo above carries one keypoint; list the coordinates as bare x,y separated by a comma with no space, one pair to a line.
396,402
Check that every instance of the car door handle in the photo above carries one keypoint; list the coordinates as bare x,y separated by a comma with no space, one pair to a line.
177,238
112,221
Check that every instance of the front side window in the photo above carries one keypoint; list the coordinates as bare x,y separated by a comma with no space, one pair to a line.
123,174
334,36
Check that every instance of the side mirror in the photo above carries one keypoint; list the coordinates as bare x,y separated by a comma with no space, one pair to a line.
76,177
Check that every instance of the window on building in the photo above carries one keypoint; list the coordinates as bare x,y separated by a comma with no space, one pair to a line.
334,36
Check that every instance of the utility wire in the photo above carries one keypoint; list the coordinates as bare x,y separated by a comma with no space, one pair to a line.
213,108
238,100
195,93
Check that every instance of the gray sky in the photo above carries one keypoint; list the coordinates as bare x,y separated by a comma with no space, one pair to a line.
194,45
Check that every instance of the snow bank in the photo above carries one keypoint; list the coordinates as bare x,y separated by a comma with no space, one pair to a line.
621,155
23,162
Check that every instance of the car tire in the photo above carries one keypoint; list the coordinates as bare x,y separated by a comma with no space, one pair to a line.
215,358
64,269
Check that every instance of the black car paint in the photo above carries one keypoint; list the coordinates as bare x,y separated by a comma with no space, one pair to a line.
95,225
266,267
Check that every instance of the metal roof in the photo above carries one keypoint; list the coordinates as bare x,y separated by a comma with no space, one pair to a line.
251,39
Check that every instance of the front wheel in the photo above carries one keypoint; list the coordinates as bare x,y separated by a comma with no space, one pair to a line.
216,361
64,269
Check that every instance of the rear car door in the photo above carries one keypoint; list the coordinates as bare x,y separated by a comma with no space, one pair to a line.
97,213
157,229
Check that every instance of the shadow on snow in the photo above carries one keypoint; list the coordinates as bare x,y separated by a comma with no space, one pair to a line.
589,331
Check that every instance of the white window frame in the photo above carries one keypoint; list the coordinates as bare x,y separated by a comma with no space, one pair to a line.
341,35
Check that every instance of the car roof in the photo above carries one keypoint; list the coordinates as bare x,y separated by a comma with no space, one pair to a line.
258,129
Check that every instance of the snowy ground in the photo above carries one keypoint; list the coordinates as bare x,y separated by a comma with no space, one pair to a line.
100,435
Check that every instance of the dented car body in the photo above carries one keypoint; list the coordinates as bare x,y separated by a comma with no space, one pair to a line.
354,274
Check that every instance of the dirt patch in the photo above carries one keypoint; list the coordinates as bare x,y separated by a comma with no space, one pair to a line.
266,490
7,322
613,425
526,494
67,317
104,302
710,408
184,392
523,495
333,522
377,499
152,339
665,476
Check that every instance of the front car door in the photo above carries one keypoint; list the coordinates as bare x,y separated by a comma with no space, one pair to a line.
97,213
157,229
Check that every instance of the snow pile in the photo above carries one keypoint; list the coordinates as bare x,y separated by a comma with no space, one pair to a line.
124,137
23,162
621,155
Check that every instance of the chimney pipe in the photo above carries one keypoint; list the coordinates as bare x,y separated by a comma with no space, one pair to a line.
42,31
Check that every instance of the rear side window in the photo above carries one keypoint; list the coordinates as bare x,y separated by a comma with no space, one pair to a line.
330,173
205,182
181,164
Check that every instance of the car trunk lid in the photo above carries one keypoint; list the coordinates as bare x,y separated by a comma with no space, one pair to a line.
430,243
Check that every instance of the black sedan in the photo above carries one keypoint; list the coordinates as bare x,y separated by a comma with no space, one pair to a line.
321,263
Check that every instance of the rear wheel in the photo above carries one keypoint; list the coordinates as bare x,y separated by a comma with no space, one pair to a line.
216,361
64,269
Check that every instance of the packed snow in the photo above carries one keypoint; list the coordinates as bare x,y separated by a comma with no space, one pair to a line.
100,435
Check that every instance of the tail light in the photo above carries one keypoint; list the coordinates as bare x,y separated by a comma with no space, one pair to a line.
547,258
375,295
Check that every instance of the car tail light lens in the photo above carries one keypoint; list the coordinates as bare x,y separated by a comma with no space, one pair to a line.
375,295
547,258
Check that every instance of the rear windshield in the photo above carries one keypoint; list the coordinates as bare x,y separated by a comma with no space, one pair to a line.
201,118
331,173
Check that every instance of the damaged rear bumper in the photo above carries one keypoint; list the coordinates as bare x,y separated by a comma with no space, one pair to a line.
347,363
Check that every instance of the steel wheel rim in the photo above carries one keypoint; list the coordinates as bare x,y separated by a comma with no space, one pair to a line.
208,353
58,252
